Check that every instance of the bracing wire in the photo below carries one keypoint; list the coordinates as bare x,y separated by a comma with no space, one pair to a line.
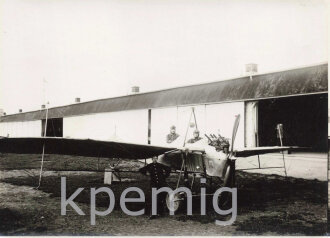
193,111
43,149
191,114
185,137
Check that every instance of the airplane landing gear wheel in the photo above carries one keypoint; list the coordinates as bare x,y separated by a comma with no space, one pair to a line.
176,198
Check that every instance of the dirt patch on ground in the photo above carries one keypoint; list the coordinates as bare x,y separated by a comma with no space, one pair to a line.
267,205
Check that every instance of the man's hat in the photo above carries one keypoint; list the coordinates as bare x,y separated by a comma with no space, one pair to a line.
173,127
196,131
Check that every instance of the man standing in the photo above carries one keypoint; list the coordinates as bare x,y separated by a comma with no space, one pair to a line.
172,136
158,174
196,137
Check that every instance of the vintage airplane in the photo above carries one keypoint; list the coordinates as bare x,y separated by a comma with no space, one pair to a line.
208,158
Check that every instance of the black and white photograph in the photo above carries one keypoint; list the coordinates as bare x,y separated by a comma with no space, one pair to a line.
164,118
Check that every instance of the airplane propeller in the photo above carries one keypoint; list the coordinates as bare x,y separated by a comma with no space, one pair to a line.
234,134
229,175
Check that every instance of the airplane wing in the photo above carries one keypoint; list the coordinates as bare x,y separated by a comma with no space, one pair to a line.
245,152
81,147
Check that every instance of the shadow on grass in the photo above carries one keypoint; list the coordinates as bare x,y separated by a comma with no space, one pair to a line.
10,220
256,193
282,225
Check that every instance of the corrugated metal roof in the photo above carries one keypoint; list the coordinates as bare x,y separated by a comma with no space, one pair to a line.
306,80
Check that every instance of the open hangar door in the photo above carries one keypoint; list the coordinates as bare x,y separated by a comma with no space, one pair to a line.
304,120
54,127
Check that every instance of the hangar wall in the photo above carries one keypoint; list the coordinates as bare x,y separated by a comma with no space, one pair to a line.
132,126
215,118
21,129
161,121
127,126
220,118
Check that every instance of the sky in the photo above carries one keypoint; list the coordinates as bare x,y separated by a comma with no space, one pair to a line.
56,50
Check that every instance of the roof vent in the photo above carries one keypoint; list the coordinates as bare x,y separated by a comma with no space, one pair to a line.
77,100
251,69
20,110
43,106
135,89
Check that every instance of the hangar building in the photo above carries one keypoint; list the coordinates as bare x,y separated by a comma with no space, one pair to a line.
296,98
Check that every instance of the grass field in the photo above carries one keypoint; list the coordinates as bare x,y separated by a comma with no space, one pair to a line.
267,204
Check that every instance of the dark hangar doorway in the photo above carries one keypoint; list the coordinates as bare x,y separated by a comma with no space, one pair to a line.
304,119
54,127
